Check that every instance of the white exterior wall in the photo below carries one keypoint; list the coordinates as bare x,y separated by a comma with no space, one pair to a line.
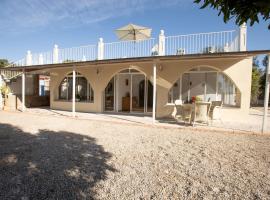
239,70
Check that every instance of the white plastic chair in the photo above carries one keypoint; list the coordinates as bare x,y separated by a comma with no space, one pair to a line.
154,50
183,112
201,112
215,110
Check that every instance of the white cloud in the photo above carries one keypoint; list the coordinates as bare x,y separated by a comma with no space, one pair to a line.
31,14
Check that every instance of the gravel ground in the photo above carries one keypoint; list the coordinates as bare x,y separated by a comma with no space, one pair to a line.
49,157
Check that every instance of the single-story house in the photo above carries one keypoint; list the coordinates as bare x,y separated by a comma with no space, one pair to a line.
129,77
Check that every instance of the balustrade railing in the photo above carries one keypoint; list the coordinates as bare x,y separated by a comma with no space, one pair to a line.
77,54
17,63
129,49
8,74
42,58
213,42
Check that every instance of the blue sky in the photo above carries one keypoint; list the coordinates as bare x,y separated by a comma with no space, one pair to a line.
37,25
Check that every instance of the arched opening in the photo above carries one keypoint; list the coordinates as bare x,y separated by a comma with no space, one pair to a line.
83,89
129,91
208,84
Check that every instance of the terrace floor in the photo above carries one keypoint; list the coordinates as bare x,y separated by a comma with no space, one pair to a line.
58,157
236,122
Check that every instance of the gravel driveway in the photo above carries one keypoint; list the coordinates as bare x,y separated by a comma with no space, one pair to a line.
46,157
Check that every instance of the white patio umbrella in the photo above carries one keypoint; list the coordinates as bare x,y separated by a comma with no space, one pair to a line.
133,32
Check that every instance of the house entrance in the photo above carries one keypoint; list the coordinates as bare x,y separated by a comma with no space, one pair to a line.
129,91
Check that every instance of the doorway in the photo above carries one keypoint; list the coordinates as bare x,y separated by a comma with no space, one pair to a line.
129,91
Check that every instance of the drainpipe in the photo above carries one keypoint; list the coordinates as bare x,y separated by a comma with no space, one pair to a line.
266,96
154,92
73,91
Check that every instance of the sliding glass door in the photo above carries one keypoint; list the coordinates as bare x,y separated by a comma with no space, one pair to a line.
129,91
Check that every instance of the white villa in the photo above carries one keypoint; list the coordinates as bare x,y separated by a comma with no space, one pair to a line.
145,77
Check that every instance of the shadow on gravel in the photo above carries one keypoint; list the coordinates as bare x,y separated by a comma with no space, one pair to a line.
49,165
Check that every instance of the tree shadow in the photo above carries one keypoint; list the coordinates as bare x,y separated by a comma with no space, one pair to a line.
50,165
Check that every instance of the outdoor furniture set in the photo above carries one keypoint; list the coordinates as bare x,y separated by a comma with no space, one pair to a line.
197,111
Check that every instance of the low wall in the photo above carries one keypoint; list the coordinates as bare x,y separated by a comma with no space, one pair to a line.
14,102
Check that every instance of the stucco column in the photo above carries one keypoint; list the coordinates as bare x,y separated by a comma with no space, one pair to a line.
23,91
55,54
100,49
266,96
40,59
73,91
161,43
154,92
29,58
243,37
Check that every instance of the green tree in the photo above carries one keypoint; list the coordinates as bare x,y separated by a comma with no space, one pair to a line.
255,82
3,62
241,10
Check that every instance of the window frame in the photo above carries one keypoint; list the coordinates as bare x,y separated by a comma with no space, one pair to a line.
89,90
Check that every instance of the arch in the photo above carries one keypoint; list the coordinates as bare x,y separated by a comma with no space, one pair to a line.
212,83
193,68
118,71
83,89
211,67
70,73
124,91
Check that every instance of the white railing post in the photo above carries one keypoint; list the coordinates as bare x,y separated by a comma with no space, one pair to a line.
83,58
266,96
40,59
55,54
73,91
161,43
23,91
28,58
154,92
100,49
243,37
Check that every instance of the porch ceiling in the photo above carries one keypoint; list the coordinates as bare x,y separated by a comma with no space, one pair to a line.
152,59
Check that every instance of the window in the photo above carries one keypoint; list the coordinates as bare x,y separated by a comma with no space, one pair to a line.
207,84
228,93
83,89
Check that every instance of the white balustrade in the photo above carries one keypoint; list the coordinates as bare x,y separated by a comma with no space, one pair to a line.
43,58
100,49
78,54
29,58
128,49
225,41
243,37
55,54
201,43
161,43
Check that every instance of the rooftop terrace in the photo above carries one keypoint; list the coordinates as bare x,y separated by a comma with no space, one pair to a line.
198,43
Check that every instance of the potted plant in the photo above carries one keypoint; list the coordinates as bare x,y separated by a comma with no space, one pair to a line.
78,98
4,91
195,99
